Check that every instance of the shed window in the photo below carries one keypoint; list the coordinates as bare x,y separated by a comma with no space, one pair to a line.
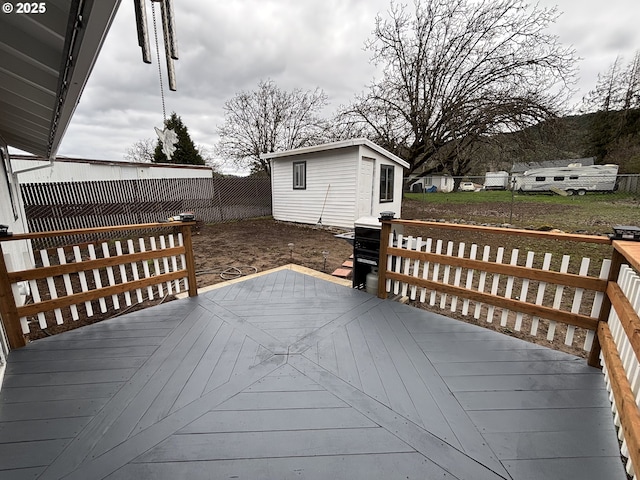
299,175
386,183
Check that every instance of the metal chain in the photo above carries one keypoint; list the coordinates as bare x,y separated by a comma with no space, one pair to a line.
155,33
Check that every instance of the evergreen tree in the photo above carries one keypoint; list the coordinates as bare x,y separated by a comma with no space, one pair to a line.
186,151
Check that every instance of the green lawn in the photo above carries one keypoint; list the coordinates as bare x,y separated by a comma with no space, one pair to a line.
594,213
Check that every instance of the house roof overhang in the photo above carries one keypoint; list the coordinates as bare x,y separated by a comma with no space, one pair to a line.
45,61
335,145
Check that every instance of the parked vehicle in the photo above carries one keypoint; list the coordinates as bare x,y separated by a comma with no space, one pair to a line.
467,187
574,179
496,180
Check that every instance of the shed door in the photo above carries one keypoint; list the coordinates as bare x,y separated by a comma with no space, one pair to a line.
365,187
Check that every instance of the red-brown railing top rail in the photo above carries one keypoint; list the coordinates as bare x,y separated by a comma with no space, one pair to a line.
630,251
86,231
569,237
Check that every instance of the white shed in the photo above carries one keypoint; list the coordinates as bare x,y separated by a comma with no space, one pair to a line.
356,177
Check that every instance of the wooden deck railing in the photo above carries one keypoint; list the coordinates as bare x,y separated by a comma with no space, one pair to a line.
607,305
619,340
476,282
74,277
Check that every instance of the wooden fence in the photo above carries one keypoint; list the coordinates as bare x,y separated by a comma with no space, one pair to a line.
72,205
96,275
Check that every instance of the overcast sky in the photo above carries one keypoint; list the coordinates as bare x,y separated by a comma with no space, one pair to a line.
228,46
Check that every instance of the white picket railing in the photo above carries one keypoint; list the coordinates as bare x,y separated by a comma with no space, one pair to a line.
100,276
453,282
68,284
629,284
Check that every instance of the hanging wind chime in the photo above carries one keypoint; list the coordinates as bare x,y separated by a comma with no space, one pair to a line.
167,136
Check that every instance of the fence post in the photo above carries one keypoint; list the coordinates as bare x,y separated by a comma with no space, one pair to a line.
8,308
382,259
191,264
616,262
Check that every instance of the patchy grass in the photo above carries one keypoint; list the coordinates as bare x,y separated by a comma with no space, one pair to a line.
592,213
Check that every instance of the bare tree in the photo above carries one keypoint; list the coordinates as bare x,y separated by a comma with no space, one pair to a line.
457,72
208,155
141,151
267,120
616,89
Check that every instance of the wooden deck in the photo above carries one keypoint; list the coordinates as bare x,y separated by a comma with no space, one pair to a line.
288,376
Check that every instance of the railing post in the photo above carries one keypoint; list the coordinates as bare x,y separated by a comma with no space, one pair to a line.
616,262
8,308
382,259
191,264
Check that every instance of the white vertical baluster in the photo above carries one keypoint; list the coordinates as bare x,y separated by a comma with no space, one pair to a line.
425,271
53,293
123,273
134,270
183,261
62,259
524,291
597,304
24,324
436,271
494,284
472,255
457,277
96,278
407,265
481,281
509,289
557,299
174,264
145,270
542,286
445,275
416,268
156,266
35,294
165,263
577,301
83,280
396,283
389,264
110,276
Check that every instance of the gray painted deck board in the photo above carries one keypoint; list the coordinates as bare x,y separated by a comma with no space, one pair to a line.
411,466
289,376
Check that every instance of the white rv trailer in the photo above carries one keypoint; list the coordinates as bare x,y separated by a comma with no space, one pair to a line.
496,180
573,179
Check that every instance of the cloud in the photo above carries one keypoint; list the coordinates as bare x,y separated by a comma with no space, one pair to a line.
228,47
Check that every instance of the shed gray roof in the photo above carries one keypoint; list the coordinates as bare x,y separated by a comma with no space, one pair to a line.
334,145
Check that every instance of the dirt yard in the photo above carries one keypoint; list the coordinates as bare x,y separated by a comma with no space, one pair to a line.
225,251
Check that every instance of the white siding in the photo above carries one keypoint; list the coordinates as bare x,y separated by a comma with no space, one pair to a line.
336,168
65,171
339,168
16,253
378,206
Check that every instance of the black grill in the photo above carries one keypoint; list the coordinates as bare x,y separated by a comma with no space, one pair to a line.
366,253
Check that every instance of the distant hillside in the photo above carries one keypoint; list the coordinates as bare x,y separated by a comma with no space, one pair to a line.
611,137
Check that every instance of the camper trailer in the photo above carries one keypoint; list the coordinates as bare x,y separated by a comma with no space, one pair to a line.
572,179
496,180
